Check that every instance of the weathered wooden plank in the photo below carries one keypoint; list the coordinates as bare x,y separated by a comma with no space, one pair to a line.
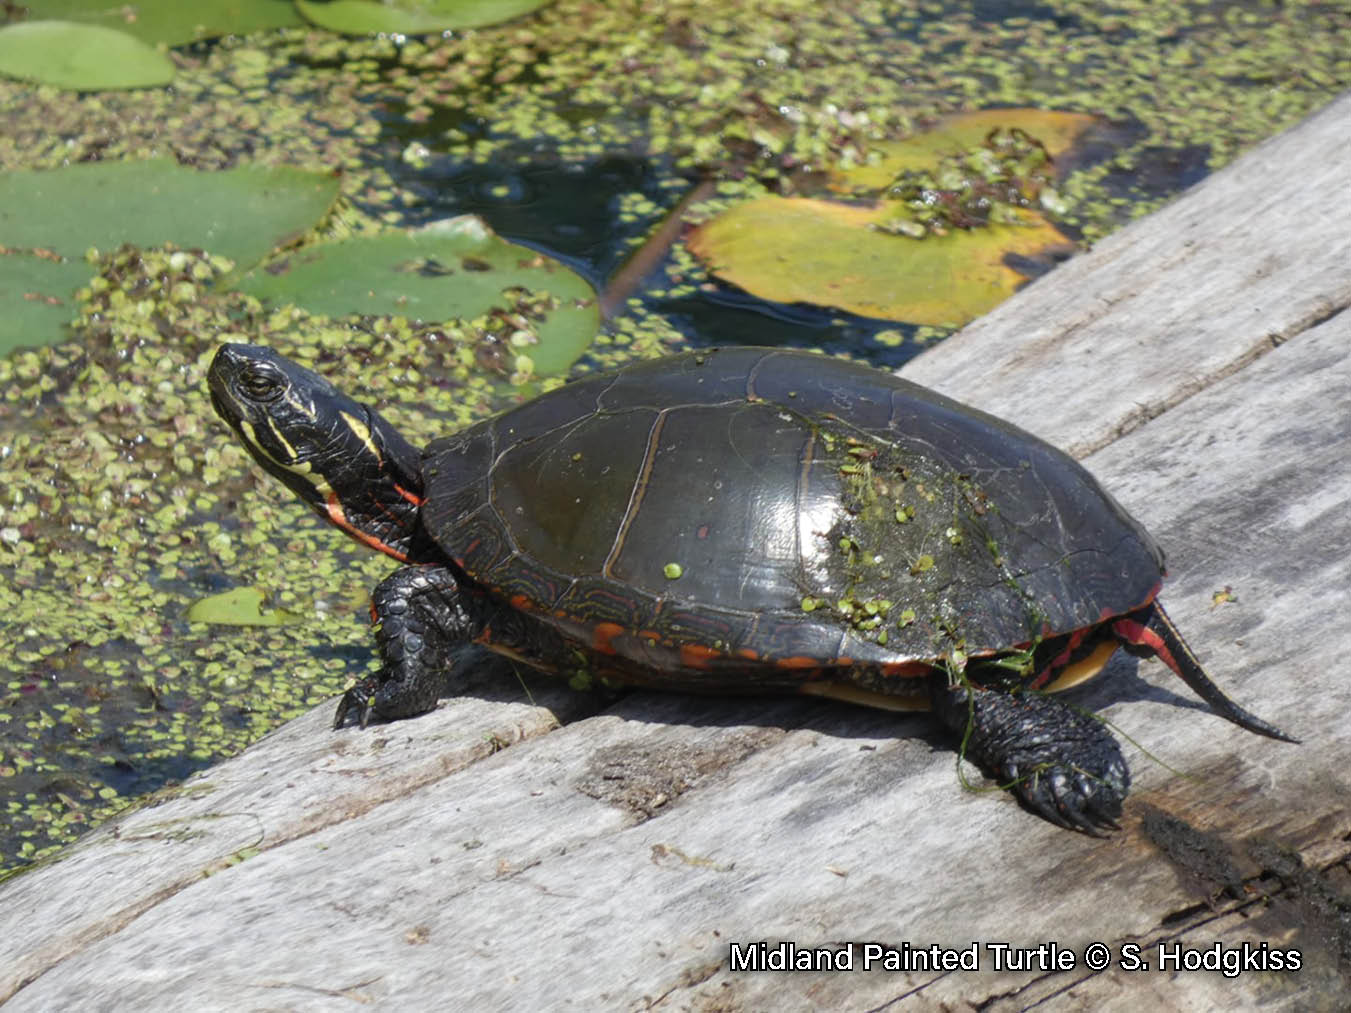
294,781
609,863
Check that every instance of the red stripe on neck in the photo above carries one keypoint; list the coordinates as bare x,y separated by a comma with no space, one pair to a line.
339,519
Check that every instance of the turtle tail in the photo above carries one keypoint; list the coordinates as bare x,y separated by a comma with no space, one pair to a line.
1149,631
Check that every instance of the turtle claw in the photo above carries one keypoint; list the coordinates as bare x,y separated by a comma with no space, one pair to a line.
1074,798
359,700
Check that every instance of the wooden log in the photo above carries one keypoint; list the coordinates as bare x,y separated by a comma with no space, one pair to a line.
508,855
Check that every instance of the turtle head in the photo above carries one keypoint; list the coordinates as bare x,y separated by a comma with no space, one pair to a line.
337,455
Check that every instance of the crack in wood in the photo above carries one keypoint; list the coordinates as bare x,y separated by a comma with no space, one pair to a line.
1147,412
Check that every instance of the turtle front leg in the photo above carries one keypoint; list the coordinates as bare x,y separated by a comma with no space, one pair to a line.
1063,765
421,616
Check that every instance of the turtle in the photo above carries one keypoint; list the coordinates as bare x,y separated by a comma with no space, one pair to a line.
743,520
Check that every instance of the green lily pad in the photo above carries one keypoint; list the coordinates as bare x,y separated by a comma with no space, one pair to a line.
242,606
81,57
49,218
36,296
173,22
240,213
454,269
797,249
411,17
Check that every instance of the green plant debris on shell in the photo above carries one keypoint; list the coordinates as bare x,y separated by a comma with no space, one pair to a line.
81,57
457,268
242,606
172,22
412,17
895,584
581,681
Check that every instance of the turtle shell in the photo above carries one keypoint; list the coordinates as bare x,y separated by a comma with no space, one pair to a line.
743,509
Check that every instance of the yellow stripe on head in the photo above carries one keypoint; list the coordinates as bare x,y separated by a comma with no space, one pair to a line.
282,440
304,469
363,433
304,407
246,428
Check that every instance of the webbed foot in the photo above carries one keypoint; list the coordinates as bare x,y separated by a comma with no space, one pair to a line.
1063,765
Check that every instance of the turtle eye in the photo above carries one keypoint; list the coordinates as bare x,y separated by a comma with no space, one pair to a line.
262,384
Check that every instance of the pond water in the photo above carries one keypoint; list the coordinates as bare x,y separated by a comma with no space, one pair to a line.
573,132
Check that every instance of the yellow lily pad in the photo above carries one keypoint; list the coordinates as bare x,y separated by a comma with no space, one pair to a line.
1056,131
799,249
940,249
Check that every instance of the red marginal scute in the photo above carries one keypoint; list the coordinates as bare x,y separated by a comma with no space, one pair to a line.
797,661
697,655
602,634
905,669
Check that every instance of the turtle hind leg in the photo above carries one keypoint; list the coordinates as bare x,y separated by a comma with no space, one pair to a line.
1149,632
421,616
1064,766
